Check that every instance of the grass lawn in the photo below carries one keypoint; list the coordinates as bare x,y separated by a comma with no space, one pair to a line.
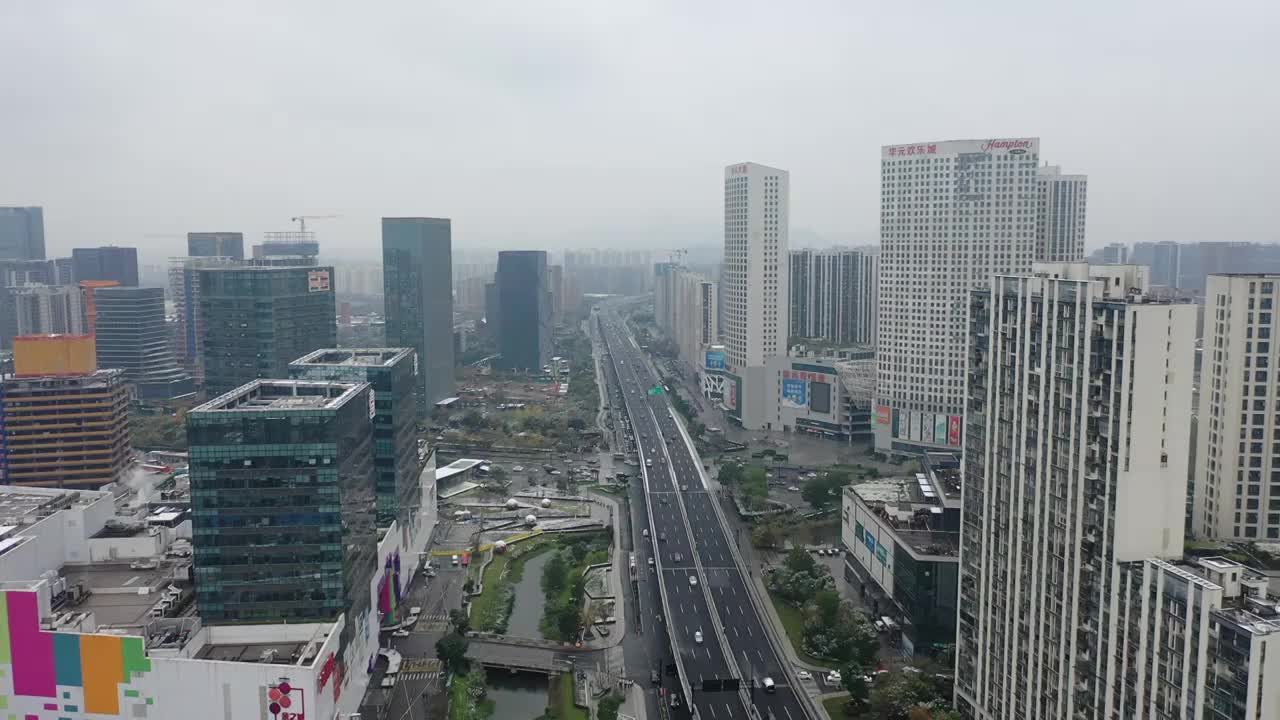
835,706
794,624
562,699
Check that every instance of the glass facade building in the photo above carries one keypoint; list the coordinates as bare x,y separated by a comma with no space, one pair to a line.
282,499
257,320
391,374
22,233
417,277
106,263
132,335
216,244
524,310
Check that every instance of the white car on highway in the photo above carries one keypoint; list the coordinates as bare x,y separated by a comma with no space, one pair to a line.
804,675
693,580
697,636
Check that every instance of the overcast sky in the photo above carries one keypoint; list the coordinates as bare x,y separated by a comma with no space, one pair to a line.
609,122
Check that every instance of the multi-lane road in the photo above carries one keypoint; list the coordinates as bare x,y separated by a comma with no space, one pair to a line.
713,622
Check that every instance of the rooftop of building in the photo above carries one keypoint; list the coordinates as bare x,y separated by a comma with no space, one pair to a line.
354,357
277,653
123,594
67,381
277,395
914,509
457,467
25,505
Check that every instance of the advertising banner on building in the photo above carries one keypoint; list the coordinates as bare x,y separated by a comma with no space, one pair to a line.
318,281
714,360
870,541
882,553
795,393
884,415
939,428
953,431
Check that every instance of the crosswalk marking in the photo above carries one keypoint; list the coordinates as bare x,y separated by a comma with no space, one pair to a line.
421,675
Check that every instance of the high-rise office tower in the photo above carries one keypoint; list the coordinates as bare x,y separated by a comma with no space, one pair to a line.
1237,482
952,214
1078,421
131,334
391,378
833,295
1060,216
106,263
65,422
184,290
524,310
757,212
257,320
282,502
21,233
417,277
1164,259
216,244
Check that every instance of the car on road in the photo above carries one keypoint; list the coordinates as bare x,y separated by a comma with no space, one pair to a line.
693,580
662,537
697,636
769,687
834,677
399,633
415,611
654,677
644,532
804,675
793,488
677,557
518,468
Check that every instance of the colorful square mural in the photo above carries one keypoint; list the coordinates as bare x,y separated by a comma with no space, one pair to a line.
55,675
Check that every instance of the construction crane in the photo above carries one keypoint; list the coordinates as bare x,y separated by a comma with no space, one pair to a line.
302,220
676,256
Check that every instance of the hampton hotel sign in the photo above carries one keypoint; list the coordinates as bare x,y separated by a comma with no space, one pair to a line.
997,146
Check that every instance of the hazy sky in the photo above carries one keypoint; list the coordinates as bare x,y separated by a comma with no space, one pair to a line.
608,122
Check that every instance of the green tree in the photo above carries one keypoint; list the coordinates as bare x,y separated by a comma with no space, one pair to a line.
460,621
852,677
824,491
555,574
452,651
896,693
799,561
730,474
827,603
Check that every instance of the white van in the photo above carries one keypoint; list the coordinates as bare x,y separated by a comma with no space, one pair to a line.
769,687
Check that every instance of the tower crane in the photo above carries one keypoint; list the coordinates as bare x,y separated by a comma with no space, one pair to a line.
302,220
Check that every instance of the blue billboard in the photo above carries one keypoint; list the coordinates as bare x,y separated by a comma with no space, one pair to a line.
714,360
795,393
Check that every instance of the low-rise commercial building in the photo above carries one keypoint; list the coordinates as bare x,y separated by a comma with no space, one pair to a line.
826,393
902,537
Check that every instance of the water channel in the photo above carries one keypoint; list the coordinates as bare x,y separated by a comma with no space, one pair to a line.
527,612
517,696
